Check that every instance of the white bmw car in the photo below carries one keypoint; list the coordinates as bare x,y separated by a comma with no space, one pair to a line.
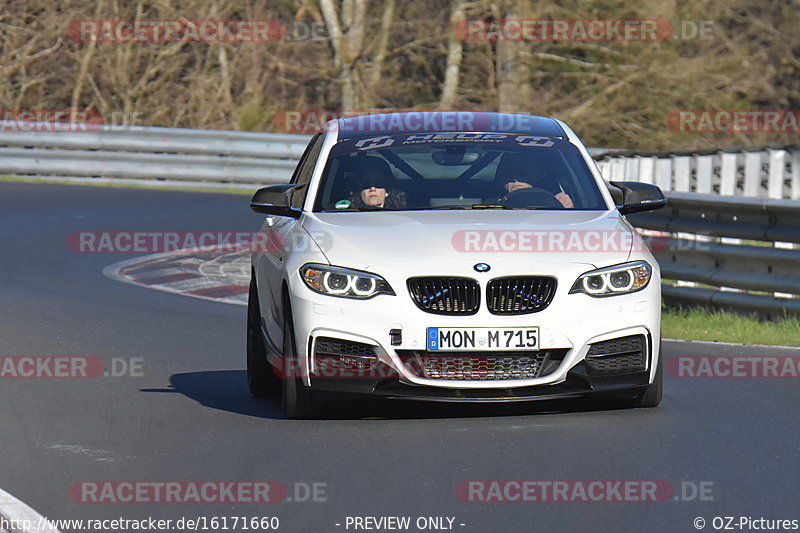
452,256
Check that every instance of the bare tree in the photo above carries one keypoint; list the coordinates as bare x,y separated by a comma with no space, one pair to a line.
347,31
455,48
400,54
513,72
375,69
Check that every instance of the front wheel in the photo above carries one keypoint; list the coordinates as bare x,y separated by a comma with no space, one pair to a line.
651,396
261,379
297,399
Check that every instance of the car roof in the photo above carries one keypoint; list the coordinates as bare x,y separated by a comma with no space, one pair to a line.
410,122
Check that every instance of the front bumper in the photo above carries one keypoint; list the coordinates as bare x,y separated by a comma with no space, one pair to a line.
579,382
569,327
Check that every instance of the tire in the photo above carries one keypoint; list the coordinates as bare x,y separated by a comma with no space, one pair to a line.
651,395
296,399
261,379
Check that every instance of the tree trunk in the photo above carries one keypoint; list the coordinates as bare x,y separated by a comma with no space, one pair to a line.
513,73
84,68
375,71
455,48
348,46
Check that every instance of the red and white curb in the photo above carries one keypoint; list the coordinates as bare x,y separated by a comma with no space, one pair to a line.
215,276
17,517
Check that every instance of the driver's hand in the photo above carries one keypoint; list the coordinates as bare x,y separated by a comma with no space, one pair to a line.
565,200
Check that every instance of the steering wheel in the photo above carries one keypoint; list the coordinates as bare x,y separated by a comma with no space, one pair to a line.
532,197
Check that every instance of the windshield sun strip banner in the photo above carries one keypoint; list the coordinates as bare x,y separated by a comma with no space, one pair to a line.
505,140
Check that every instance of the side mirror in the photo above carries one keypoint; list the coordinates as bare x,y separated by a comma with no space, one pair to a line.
276,200
638,196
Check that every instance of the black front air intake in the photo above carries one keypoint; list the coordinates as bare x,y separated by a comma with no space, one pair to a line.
481,366
618,356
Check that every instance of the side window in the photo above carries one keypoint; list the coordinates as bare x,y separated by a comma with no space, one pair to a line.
304,169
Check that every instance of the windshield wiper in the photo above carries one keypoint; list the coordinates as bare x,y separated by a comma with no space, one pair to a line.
464,207
490,206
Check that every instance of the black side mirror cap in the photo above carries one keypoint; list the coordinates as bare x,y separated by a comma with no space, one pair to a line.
276,200
638,196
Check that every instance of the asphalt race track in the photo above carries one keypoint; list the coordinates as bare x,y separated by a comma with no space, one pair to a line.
727,447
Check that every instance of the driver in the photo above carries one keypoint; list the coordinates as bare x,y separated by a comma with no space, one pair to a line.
373,194
515,173
517,184
372,191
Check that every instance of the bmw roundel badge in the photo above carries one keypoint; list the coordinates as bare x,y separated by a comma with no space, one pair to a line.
482,267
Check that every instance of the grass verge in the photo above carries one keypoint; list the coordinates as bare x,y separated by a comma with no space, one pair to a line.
721,326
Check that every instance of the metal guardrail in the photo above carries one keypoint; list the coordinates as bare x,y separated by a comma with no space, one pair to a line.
161,153
717,198
265,158
705,249
702,254
762,172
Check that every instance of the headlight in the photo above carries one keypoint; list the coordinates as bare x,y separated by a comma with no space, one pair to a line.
618,279
344,282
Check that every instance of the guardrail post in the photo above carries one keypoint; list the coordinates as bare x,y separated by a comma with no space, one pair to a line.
752,174
705,173
647,169
664,173
728,174
682,173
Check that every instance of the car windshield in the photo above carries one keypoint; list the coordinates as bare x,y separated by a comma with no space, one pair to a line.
456,171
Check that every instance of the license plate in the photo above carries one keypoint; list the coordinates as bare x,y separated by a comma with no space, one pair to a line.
454,339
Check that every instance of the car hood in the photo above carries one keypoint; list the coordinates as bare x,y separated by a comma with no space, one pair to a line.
364,239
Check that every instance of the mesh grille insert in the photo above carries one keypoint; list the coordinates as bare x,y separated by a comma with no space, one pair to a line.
331,346
339,358
476,366
625,354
